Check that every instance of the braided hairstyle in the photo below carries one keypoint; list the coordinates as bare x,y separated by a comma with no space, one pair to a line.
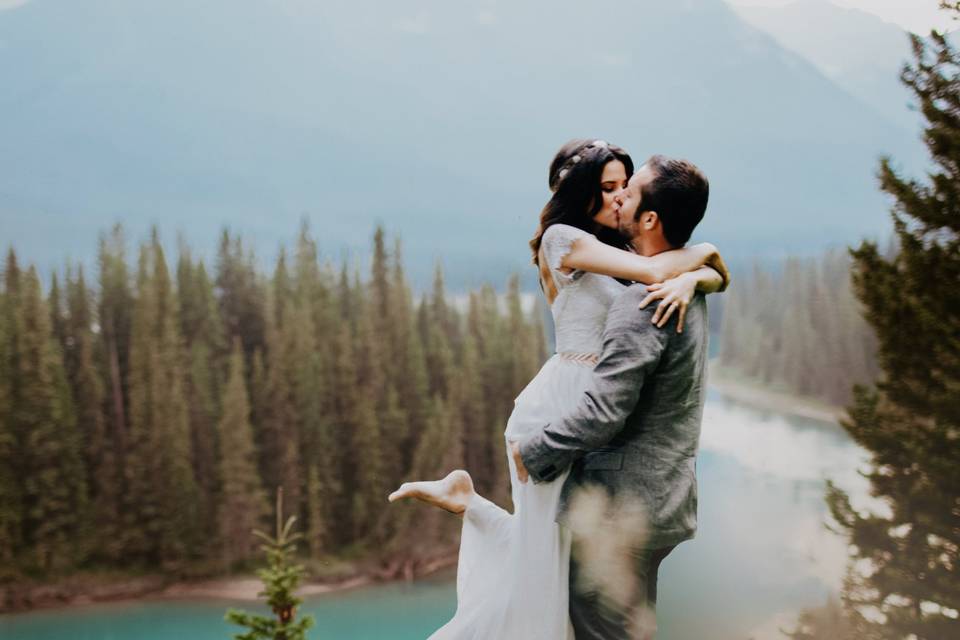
574,179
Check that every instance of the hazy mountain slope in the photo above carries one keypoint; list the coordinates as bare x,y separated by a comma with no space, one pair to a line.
858,50
438,120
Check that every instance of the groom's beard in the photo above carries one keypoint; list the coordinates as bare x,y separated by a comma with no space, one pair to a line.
623,230
628,233
628,245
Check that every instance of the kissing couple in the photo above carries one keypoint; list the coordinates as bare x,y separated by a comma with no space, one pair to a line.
602,443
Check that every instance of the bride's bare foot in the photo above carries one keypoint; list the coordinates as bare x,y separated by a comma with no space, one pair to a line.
452,493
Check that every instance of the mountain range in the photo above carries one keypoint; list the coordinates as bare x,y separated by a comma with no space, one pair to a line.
435,119
857,50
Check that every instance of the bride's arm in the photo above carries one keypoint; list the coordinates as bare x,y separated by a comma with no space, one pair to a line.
589,254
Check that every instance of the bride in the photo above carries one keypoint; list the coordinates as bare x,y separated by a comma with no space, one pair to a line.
512,573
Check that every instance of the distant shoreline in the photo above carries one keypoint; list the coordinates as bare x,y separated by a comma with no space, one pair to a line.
754,393
80,591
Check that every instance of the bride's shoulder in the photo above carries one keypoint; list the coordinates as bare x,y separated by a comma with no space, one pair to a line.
564,233
557,243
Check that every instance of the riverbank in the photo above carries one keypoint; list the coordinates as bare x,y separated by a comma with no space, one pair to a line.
737,387
86,589
247,588
335,575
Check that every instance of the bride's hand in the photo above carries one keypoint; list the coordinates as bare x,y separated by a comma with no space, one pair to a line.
674,294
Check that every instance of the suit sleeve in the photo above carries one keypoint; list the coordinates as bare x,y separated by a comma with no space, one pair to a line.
632,347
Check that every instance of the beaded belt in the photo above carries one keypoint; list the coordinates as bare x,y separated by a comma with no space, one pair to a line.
583,358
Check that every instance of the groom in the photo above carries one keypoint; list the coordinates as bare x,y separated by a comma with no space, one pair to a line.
636,429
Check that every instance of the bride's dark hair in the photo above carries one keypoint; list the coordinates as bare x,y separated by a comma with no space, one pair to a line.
574,179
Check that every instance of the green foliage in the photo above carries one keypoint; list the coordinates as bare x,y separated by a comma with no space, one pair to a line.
280,580
282,422
241,297
205,362
337,389
54,487
905,581
113,312
799,327
98,449
162,512
11,509
242,499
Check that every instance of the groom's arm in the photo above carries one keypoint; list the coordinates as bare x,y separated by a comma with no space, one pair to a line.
632,346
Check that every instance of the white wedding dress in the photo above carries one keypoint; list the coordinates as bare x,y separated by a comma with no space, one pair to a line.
513,568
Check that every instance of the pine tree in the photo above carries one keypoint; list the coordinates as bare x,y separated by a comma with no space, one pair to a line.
368,487
242,499
392,427
317,524
241,295
141,512
524,347
58,321
317,448
434,320
99,449
494,349
470,406
259,394
393,421
281,430
540,311
383,306
163,507
411,380
910,422
11,489
202,335
280,580
54,479
315,327
201,388
380,278
417,529
115,319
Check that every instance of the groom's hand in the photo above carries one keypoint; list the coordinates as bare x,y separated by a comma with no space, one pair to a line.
522,473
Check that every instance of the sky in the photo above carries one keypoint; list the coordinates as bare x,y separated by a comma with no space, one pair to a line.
918,16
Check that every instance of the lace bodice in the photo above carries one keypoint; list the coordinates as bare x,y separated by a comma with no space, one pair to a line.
583,298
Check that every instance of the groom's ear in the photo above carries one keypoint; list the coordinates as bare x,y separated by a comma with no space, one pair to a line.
649,219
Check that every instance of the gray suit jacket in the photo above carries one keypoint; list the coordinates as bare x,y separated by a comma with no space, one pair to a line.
636,428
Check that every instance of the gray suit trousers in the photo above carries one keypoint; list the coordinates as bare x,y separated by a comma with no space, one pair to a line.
593,620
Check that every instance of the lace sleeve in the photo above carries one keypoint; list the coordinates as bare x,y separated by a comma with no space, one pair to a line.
557,242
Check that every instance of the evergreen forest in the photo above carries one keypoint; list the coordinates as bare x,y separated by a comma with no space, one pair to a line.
798,327
145,417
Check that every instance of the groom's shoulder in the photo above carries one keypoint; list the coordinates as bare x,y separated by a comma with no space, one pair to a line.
632,295
635,290
626,307
625,313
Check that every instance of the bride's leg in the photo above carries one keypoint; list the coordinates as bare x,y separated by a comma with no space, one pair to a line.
453,493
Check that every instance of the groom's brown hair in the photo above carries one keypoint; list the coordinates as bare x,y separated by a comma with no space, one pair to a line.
678,194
